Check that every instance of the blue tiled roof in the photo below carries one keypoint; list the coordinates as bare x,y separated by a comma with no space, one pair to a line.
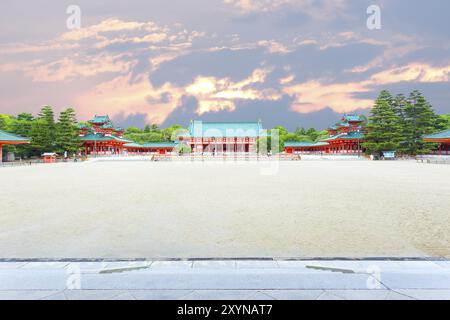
305,144
343,124
102,137
352,117
6,136
225,129
439,135
100,119
152,145
160,145
349,136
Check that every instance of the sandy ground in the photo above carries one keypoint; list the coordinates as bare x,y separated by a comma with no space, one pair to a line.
162,210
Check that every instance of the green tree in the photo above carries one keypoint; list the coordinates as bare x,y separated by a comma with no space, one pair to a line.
420,119
6,122
168,133
43,131
132,130
151,128
39,137
300,131
384,129
67,132
22,127
183,149
312,133
25,116
445,121
145,137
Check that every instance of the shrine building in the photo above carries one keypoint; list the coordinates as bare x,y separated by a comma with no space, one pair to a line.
222,137
101,137
443,141
7,138
345,137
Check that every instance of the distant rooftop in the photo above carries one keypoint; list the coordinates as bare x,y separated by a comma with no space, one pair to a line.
100,119
439,135
352,117
305,144
152,145
102,137
348,136
12,138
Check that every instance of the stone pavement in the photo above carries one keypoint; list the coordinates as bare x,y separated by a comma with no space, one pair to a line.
226,279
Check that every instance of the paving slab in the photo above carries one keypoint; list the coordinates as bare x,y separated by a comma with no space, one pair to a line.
26,294
327,295
56,296
262,264
160,294
415,280
45,265
11,265
172,264
426,294
124,296
292,264
259,295
360,294
215,264
226,279
92,294
294,294
34,279
219,294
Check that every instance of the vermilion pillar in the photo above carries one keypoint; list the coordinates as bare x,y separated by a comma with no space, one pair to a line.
1,154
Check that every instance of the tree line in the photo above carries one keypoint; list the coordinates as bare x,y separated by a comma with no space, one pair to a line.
47,134
398,123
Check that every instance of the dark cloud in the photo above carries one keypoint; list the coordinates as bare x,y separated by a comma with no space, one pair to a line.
235,64
271,113
133,120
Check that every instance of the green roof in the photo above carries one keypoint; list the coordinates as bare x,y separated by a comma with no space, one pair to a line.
6,136
349,136
152,145
342,124
225,129
160,145
102,137
100,119
351,117
305,144
133,145
439,135
83,126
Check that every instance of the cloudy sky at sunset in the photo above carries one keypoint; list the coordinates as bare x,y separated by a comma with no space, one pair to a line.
290,62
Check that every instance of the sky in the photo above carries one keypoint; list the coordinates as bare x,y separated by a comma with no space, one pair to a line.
297,63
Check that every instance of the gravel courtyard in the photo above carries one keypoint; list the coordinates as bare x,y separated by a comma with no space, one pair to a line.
133,209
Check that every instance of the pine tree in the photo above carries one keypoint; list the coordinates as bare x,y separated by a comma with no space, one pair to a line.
22,126
399,104
39,137
67,133
420,119
43,131
384,130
